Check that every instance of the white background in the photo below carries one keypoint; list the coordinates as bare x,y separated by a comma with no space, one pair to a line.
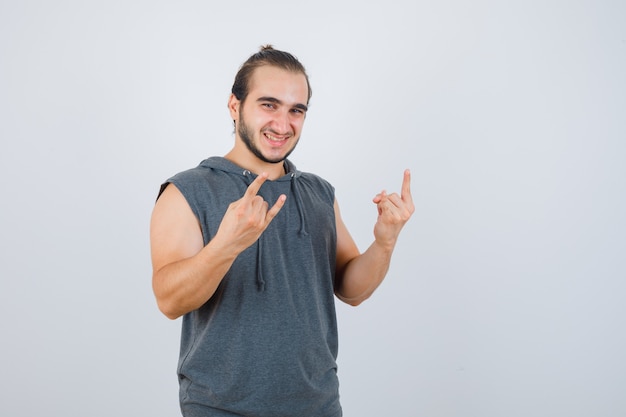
506,295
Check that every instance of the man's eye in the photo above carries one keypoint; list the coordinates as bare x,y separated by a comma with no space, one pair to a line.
297,111
268,105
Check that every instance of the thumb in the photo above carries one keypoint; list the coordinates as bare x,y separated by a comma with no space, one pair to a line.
379,197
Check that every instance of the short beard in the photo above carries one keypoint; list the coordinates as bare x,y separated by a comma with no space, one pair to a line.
244,134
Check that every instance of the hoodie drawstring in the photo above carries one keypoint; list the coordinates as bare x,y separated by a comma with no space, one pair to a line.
260,281
296,193
302,231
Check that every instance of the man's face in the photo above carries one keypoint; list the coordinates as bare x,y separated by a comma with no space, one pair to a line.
274,110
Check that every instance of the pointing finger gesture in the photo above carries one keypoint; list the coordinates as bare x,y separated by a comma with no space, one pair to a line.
247,218
393,212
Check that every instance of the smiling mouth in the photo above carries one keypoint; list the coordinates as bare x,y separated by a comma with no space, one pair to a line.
278,140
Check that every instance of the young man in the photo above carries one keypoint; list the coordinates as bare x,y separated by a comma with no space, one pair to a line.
250,251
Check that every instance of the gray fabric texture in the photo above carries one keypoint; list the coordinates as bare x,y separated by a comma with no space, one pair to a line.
265,344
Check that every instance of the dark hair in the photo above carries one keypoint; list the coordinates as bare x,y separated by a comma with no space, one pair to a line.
267,55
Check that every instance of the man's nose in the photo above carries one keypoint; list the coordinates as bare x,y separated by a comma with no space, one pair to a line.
282,122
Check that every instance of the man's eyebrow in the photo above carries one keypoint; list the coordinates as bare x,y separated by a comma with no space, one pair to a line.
277,101
301,107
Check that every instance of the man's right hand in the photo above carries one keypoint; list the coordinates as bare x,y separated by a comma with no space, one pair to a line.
185,272
247,218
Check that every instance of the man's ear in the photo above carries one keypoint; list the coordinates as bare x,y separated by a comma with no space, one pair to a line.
233,107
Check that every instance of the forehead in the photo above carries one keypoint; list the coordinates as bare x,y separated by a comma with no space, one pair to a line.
287,86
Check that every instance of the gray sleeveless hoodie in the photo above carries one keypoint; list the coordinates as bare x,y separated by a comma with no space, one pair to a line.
265,344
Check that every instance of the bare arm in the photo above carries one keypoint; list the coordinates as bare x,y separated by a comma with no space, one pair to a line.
185,272
358,275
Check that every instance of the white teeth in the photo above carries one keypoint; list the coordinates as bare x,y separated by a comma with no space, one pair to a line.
270,137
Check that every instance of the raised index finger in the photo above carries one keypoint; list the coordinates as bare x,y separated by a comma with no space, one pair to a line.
406,187
255,185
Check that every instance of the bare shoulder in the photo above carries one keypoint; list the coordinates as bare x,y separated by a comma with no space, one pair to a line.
175,233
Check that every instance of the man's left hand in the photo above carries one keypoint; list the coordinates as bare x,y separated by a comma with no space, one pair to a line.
393,212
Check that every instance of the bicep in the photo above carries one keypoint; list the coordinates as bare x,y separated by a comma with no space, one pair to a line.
346,247
175,233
